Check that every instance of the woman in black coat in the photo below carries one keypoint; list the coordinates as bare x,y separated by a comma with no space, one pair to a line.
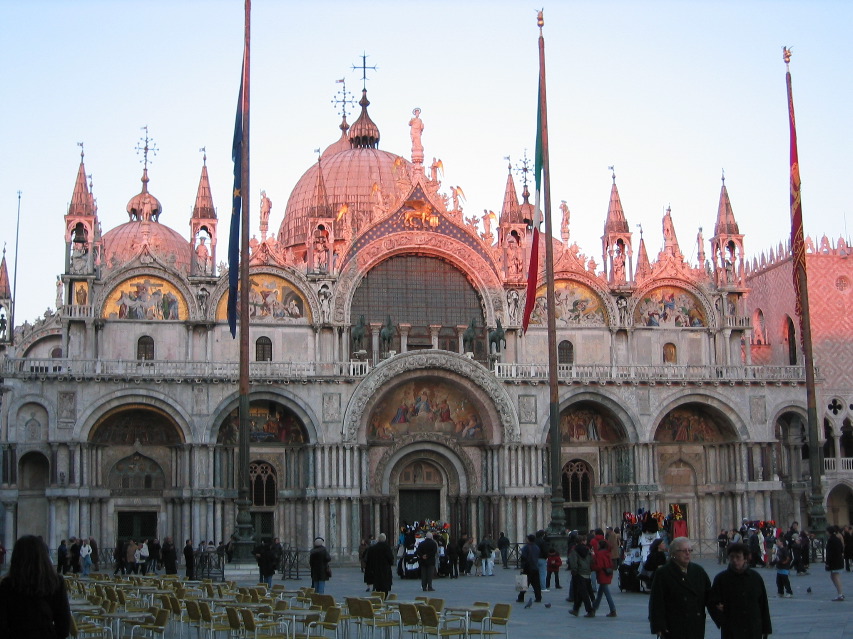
33,599
378,564
835,559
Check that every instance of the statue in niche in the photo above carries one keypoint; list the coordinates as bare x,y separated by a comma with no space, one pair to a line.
325,296
513,300
202,296
202,256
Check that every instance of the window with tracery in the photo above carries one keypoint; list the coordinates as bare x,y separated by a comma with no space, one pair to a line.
566,352
262,484
263,349
145,348
577,481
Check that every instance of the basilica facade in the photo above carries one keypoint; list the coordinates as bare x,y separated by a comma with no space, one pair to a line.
376,396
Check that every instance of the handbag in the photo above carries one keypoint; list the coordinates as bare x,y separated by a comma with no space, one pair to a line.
471,555
328,572
520,583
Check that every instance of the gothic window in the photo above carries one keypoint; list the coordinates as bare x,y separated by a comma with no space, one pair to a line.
566,352
262,484
829,445
670,354
263,349
759,328
791,339
577,482
145,348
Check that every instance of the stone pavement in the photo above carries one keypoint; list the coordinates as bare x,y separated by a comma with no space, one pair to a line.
806,616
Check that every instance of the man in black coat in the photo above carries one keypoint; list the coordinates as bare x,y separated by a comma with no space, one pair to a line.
189,559
427,550
679,595
379,560
530,567
738,599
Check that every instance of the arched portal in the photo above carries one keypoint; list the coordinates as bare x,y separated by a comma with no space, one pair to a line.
839,505
33,480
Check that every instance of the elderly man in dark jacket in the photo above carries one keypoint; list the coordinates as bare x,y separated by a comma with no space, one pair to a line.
379,560
738,599
679,595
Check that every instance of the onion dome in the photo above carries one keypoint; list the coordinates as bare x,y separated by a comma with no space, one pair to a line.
364,134
144,206
343,143
144,232
527,209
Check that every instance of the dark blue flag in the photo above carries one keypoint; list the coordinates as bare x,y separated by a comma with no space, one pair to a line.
234,240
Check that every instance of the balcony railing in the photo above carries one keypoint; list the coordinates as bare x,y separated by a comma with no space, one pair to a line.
163,370
830,465
596,372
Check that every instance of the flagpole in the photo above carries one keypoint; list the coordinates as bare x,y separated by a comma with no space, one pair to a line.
245,530
817,513
11,333
558,516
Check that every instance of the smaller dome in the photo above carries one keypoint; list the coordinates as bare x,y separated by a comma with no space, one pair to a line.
144,206
364,133
124,243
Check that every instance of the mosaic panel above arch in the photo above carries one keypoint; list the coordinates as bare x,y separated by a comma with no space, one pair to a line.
669,306
692,424
269,423
587,422
271,299
426,405
129,424
576,305
145,298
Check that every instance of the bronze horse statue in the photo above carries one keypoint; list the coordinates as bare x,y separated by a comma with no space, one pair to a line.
496,337
357,334
386,335
469,336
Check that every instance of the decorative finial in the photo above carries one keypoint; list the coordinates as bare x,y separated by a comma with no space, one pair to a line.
540,20
91,184
786,55
148,146
509,163
343,97
724,177
319,155
523,168
80,144
364,69
613,172
640,226
203,157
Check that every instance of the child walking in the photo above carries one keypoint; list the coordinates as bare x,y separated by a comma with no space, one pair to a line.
554,563
783,569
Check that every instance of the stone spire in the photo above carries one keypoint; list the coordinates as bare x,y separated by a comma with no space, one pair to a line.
364,134
82,229
511,210
617,253
81,199
203,225
644,267
670,241
727,252
204,209
5,289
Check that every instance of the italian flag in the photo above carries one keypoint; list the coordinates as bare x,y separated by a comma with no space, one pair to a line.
533,267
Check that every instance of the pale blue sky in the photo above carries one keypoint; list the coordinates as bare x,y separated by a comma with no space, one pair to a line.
668,92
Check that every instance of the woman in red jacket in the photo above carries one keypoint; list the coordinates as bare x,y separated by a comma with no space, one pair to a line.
602,564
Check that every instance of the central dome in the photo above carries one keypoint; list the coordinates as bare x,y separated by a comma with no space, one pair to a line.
356,177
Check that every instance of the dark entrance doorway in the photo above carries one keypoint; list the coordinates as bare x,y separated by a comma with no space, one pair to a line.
417,505
264,524
137,525
577,518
